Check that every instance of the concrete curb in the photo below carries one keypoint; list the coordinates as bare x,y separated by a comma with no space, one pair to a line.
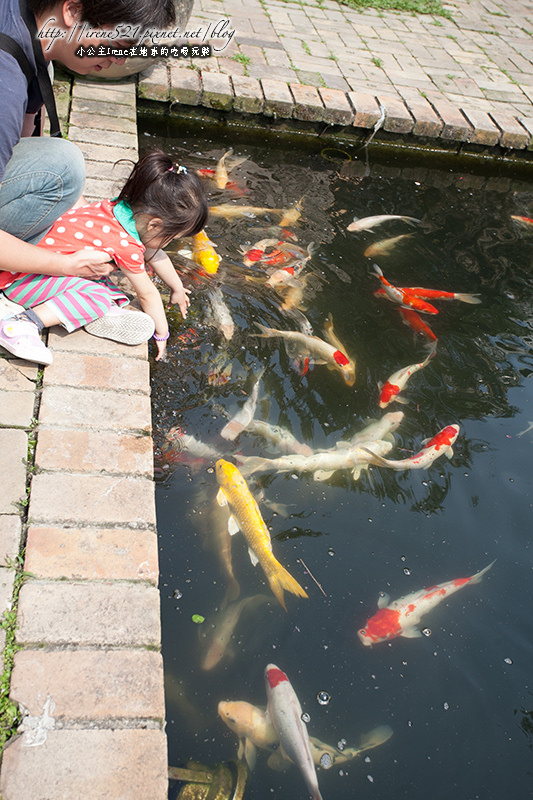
89,672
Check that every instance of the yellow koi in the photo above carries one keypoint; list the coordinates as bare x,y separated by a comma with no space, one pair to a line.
246,516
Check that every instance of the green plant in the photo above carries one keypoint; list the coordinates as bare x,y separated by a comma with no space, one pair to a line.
242,58
413,6
10,716
306,48
377,62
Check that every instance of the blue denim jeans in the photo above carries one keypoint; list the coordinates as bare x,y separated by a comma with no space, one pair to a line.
43,179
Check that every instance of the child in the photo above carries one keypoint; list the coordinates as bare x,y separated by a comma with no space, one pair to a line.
158,203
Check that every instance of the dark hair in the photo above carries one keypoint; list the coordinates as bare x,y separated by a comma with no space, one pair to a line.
158,188
103,13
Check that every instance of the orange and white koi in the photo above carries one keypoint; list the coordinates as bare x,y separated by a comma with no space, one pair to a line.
256,253
404,297
524,220
439,445
246,516
302,346
414,321
402,616
385,246
285,713
433,294
391,389
366,223
289,272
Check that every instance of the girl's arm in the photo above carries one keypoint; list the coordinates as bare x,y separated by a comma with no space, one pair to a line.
164,269
151,304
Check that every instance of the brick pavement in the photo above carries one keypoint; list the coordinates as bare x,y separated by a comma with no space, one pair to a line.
89,673
465,80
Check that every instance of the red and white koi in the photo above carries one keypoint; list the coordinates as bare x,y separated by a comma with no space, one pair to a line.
285,712
402,616
524,220
311,349
432,294
439,445
404,297
391,389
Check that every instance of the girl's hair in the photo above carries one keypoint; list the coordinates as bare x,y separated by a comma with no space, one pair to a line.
102,13
177,197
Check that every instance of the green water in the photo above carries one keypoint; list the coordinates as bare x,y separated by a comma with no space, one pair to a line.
459,701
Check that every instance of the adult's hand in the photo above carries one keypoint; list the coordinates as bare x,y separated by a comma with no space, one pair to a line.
87,264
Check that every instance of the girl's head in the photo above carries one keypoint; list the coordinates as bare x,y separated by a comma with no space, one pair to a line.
171,198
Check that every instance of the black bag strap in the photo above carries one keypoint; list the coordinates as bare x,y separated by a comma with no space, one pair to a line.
43,76
14,49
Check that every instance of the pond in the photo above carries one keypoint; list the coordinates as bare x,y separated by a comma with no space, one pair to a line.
457,699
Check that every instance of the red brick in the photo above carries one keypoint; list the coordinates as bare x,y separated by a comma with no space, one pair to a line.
456,126
485,131
397,117
92,499
95,764
111,614
338,109
427,122
279,101
367,111
82,342
217,91
97,371
90,684
248,95
94,451
92,553
185,86
308,105
514,135
90,408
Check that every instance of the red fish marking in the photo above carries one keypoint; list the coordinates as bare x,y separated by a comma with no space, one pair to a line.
340,358
444,438
275,676
385,623
205,172
461,581
254,254
389,391
435,591
410,608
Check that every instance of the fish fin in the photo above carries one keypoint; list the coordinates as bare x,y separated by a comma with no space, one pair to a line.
233,525
383,600
375,737
281,580
322,474
231,430
250,753
479,575
356,473
401,400
375,458
221,498
233,591
449,452
464,297
411,633
277,762
253,557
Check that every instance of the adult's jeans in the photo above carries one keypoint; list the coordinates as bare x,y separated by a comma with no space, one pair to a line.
43,179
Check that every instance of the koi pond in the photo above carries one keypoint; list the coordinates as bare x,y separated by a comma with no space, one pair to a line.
448,711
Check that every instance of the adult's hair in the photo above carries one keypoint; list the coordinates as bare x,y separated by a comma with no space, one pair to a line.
175,196
106,13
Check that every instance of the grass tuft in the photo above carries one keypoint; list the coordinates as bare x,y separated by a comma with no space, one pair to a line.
412,6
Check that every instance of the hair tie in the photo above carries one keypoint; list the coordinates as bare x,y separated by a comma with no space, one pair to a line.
179,170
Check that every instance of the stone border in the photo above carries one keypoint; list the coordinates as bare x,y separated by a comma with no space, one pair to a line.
89,672
428,118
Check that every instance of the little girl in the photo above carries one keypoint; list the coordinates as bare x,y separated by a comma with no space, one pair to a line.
158,203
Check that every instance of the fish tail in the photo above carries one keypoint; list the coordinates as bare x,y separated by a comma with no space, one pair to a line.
376,459
464,297
378,271
249,464
265,331
281,580
478,577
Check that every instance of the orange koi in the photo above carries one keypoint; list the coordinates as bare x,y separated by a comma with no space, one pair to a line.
525,220
414,321
433,294
404,297
402,616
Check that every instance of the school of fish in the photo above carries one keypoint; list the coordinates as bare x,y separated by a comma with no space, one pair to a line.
277,263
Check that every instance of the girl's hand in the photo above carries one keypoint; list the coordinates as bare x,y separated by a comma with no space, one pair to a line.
161,350
180,297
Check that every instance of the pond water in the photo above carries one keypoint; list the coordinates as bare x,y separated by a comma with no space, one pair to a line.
459,699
